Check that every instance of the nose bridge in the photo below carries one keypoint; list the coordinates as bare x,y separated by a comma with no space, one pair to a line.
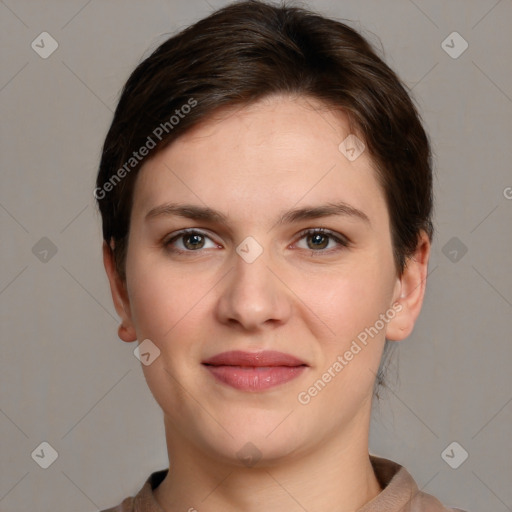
252,295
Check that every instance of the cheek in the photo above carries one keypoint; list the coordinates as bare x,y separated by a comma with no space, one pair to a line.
157,300
169,305
350,300
166,309
350,305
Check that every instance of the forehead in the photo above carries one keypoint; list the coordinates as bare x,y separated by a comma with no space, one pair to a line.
253,159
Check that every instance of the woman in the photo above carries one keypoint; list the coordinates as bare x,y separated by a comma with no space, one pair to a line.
266,193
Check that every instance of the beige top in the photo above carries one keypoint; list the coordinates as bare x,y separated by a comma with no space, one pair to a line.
399,493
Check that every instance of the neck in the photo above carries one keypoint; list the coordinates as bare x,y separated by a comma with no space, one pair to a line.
336,476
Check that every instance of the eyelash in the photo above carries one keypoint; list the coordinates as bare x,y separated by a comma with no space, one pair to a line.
342,241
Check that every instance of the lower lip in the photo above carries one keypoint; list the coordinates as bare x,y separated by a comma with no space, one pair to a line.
249,378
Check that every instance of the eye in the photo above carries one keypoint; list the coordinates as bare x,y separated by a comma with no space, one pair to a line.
189,240
317,240
322,240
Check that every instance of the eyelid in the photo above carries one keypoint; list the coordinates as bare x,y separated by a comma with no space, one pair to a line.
338,237
184,231
169,239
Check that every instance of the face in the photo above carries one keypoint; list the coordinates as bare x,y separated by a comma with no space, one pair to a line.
271,311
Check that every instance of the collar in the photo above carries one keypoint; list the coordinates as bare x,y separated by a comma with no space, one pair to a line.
399,493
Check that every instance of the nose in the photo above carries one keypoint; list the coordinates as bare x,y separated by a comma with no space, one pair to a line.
253,297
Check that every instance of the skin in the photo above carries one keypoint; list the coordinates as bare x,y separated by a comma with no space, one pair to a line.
252,164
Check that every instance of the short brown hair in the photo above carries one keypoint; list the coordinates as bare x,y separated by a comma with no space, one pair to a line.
242,53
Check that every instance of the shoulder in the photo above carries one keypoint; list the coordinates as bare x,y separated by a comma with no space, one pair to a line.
400,491
424,502
125,506
144,500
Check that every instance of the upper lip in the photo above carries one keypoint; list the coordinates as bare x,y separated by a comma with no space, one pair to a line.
256,359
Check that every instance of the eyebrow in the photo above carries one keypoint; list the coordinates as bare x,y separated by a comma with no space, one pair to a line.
205,213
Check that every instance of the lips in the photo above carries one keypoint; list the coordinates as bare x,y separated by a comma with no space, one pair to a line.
254,371
254,359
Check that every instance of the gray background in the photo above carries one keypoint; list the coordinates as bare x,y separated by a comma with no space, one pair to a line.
66,378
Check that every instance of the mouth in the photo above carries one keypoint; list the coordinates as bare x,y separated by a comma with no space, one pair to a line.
254,371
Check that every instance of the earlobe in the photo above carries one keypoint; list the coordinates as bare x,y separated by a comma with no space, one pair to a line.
410,291
126,330
126,333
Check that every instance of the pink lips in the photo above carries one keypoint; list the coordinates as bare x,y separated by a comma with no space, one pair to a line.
254,371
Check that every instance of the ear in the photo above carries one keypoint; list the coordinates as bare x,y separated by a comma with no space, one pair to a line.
409,291
126,329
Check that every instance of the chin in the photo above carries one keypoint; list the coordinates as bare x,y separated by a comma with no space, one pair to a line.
258,439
